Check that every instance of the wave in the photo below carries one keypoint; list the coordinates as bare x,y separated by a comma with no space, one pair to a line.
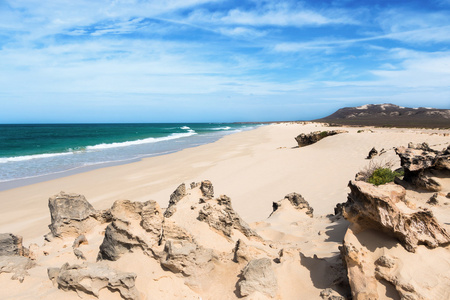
34,156
173,136
222,128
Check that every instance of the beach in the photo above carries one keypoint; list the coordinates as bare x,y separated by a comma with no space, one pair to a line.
253,168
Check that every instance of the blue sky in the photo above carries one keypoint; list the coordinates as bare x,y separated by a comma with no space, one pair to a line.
211,60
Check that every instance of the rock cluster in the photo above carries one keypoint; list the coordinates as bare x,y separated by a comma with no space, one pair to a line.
378,208
383,216
315,136
420,162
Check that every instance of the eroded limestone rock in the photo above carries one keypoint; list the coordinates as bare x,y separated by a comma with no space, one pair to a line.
91,278
176,196
419,162
313,137
188,258
220,215
375,207
11,244
258,276
18,265
297,201
71,215
139,225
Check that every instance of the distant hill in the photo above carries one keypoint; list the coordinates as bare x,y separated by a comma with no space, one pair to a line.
390,115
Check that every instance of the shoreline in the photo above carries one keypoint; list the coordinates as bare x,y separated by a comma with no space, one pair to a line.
254,168
20,182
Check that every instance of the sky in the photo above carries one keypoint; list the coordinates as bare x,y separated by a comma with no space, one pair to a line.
64,61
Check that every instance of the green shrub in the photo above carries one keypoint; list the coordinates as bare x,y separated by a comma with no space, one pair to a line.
324,134
383,175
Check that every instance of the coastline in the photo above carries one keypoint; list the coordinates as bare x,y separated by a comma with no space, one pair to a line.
254,168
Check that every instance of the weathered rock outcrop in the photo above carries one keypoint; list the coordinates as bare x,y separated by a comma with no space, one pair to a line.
372,153
297,201
176,196
419,162
186,257
220,215
18,265
375,207
11,244
138,225
207,189
12,256
91,278
313,137
72,215
134,225
258,276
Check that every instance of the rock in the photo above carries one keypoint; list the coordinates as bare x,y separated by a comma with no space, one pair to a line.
176,196
376,207
79,254
420,162
372,153
296,201
134,225
80,240
433,199
91,278
329,294
313,137
385,261
258,276
207,189
137,225
362,284
11,244
220,215
18,265
187,258
71,215
245,253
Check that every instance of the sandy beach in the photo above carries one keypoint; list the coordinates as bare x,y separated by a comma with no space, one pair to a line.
254,169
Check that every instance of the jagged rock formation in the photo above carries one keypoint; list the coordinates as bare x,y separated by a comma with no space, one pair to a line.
207,189
188,258
91,278
313,137
11,244
258,276
13,256
297,201
419,162
176,196
220,215
139,225
372,153
379,208
72,215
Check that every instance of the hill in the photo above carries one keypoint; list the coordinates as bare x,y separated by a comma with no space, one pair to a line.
390,115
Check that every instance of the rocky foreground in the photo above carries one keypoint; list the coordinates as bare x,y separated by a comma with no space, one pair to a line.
386,242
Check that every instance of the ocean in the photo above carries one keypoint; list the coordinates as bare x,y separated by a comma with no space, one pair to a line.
32,151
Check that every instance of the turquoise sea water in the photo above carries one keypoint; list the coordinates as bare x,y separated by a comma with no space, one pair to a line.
28,151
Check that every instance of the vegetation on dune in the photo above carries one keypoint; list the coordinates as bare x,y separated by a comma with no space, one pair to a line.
383,175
